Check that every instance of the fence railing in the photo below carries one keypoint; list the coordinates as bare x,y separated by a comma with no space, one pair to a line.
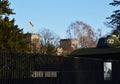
24,68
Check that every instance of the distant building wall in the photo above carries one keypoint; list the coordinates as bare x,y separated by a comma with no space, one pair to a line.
35,42
69,44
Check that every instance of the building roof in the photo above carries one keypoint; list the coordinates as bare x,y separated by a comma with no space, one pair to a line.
112,53
88,51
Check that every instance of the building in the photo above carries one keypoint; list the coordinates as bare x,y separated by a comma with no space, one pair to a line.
35,42
69,44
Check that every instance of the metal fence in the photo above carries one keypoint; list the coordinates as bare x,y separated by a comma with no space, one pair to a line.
22,68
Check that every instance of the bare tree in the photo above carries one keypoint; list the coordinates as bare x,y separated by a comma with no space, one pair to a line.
49,37
84,33
49,41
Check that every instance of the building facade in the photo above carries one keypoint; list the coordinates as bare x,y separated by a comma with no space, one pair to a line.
69,44
35,42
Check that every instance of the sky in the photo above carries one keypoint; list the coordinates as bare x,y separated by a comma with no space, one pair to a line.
57,15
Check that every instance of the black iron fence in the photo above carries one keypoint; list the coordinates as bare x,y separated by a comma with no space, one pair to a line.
22,68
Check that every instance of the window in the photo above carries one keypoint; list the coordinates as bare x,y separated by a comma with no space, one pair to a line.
107,70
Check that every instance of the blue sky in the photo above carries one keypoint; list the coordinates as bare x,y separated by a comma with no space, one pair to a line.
57,15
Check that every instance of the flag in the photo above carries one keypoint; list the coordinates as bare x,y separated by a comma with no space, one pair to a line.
31,25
